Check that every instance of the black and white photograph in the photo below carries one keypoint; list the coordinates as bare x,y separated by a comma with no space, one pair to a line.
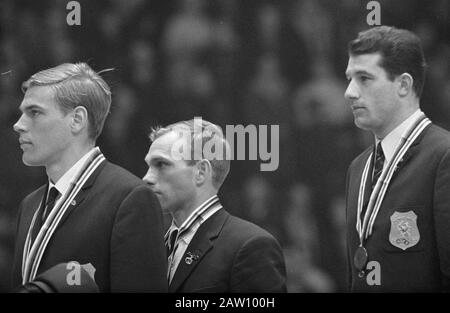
243,149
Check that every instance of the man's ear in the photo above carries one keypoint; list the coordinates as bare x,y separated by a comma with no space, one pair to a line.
405,84
203,172
79,119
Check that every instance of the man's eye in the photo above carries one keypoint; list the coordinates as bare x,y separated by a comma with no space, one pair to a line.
34,112
161,164
364,78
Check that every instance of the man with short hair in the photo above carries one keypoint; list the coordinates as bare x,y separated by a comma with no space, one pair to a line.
209,250
398,199
91,211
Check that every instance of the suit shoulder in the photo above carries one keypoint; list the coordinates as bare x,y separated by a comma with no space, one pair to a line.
120,177
245,230
437,137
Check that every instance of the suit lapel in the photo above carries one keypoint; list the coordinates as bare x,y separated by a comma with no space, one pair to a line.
368,182
84,191
200,245
29,209
35,203
411,152
406,158
354,185
38,222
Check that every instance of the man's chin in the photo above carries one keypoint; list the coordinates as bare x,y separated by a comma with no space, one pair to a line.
30,161
162,203
362,124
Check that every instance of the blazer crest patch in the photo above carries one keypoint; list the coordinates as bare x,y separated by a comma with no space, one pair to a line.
404,232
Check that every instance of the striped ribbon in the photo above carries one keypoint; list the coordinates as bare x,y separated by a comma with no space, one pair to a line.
33,252
202,210
376,198
208,206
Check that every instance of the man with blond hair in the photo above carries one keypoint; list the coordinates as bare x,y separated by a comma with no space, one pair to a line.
90,212
209,250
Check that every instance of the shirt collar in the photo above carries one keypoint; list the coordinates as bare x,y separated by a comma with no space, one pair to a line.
193,215
390,142
63,184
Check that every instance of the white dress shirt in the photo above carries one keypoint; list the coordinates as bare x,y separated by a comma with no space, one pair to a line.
392,140
63,184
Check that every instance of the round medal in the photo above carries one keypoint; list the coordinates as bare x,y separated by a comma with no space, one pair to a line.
360,258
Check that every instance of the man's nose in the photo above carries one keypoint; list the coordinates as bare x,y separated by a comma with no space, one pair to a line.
149,178
19,126
351,93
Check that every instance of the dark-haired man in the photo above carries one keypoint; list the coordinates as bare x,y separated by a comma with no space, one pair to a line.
398,199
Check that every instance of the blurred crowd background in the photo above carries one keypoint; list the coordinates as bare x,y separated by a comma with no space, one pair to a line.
230,62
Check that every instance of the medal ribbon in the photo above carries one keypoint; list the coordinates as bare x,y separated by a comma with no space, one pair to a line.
33,253
212,204
376,198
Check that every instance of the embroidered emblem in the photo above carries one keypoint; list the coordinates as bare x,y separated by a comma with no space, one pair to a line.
404,232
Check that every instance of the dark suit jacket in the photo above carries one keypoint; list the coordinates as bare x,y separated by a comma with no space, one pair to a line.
116,225
231,255
420,184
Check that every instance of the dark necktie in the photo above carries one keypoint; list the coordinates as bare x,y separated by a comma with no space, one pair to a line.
46,208
171,241
50,203
378,164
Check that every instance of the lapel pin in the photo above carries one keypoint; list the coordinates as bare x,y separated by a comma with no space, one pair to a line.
74,202
190,258
399,164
